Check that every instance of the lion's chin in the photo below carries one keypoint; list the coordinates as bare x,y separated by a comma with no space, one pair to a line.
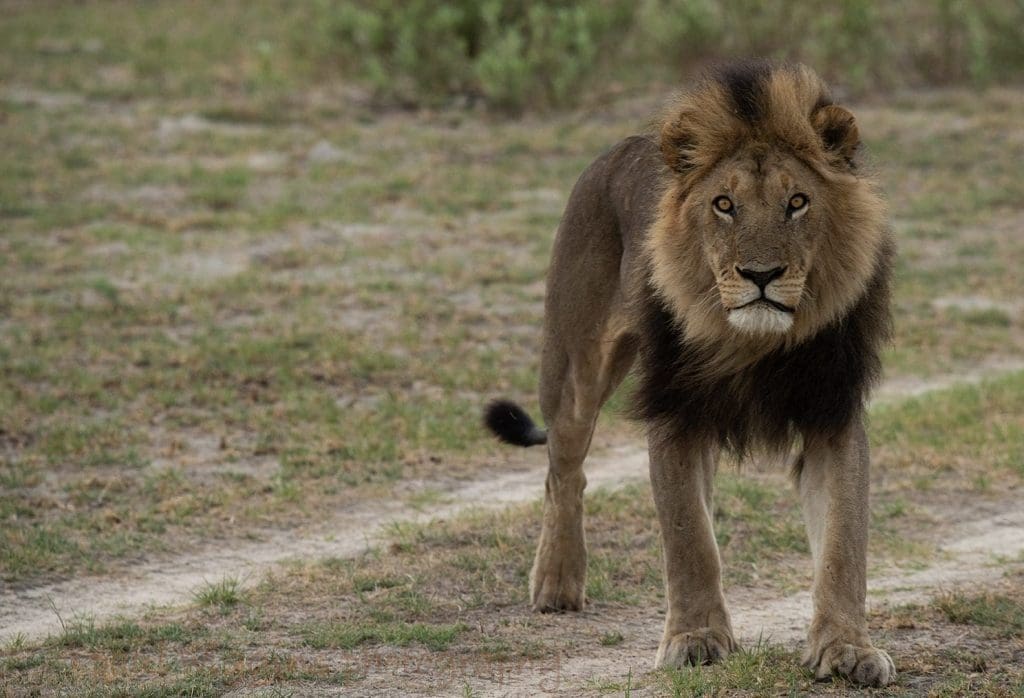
760,319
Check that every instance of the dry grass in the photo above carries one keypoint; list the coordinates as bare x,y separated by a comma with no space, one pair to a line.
213,326
449,597
227,311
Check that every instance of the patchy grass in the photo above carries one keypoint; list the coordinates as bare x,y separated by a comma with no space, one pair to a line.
233,301
962,642
450,597
771,671
165,317
226,309
764,670
759,529
455,590
611,639
116,636
348,636
223,594
966,429
1002,613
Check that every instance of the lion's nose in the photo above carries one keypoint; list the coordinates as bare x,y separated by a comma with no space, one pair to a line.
761,278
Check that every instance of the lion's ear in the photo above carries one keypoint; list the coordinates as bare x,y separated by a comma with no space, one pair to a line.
838,130
676,145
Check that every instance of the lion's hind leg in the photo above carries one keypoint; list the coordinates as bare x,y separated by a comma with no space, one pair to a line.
574,385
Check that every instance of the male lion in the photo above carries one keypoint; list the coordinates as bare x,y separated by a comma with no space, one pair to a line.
746,259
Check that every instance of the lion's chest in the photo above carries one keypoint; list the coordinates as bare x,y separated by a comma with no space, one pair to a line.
816,387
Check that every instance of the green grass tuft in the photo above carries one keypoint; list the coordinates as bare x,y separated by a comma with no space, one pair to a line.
763,670
223,594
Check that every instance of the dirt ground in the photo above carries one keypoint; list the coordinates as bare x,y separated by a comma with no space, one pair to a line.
977,544
245,338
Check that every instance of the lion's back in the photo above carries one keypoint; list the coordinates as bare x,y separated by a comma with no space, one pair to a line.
611,207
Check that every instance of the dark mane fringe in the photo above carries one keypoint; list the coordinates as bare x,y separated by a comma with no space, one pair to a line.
814,388
745,82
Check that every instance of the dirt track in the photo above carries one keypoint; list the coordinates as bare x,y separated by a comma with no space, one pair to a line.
970,555
34,612
967,555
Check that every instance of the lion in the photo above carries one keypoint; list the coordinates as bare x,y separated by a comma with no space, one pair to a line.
741,257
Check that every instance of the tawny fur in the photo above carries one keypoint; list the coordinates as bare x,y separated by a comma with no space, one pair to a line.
699,132
756,324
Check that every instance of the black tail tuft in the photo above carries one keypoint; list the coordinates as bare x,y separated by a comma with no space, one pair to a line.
510,423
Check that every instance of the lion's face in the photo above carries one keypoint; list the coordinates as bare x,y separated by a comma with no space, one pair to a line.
766,230
759,215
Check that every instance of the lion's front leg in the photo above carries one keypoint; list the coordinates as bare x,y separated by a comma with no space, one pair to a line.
697,626
834,491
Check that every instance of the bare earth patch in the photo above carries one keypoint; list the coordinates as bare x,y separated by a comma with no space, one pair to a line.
610,644
584,662
33,612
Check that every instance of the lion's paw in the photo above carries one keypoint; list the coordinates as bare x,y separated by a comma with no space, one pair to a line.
700,646
557,591
868,666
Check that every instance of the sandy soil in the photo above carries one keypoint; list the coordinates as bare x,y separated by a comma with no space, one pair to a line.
968,555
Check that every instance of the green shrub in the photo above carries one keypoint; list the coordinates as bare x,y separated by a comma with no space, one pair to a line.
511,54
861,44
540,53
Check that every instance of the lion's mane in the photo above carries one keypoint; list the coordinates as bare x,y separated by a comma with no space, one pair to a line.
698,377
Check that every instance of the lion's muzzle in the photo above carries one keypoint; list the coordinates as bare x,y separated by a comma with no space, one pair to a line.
761,299
761,278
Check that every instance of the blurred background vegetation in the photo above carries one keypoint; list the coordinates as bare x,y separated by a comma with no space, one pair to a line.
553,52
511,55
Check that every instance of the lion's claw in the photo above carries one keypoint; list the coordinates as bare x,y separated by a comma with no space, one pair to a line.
868,666
557,590
558,600
700,646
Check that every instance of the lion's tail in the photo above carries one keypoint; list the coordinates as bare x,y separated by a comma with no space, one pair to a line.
510,423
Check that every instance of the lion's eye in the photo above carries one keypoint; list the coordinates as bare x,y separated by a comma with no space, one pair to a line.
722,204
797,202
